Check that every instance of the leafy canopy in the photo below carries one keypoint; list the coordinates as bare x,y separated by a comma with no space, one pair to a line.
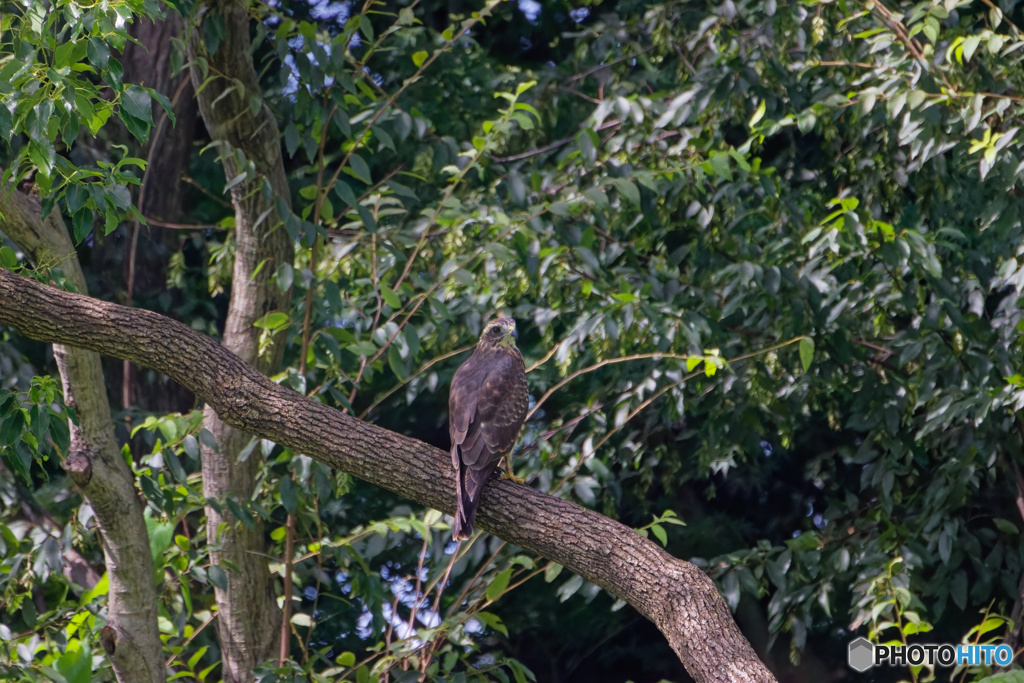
766,261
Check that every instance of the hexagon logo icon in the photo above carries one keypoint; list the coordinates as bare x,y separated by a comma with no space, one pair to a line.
861,656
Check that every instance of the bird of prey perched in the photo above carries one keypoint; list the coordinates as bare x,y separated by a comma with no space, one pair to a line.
486,407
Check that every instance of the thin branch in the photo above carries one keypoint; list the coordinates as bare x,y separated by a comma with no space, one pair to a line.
552,146
181,226
597,366
661,392
423,368
188,641
286,608
419,582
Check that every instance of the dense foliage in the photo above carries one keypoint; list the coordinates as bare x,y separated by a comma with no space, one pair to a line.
766,261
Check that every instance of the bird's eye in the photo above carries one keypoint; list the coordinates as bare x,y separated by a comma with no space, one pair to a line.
495,331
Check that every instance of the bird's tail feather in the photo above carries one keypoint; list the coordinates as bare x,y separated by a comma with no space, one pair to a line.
468,497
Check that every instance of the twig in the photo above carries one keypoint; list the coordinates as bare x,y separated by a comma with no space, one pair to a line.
184,646
428,652
552,146
837,62
181,226
623,58
376,319
319,574
419,582
661,392
599,365
286,608
210,195
472,582
387,634
383,397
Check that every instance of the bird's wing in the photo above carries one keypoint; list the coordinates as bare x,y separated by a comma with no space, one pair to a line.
463,398
495,426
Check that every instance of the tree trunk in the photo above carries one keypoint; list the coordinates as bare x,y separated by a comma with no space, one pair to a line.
147,250
682,601
131,638
248,620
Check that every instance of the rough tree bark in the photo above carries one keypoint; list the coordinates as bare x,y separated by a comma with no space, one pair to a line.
675,595
94,462
225,80
161,199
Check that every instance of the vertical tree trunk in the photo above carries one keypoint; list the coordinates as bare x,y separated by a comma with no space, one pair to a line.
147,251
248,616
94,462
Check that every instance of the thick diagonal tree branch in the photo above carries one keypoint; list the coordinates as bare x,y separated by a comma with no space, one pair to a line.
94,461
675,595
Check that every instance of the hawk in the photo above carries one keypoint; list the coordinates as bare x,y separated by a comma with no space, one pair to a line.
486,407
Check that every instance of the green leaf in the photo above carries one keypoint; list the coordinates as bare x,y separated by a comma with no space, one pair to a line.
758,114
291,138
1006,526
598,196
806,353
174,466
628,190
194,660
138,103
8,258
76,664
136,126
559,209
217,576
384,138
419,57
366,26
360,169
719,164
161,535
99,53
289,494
273,321
363,348
492,621
69,53
396,363
390,298
285,277
498,584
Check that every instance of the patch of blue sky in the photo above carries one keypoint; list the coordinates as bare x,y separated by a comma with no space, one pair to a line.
331,11
530,8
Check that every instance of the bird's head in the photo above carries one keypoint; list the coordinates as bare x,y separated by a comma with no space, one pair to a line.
500,333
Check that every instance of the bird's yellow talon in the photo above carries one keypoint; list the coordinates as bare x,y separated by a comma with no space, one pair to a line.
508,474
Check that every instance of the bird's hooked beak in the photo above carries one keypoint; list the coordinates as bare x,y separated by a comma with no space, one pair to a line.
515,335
